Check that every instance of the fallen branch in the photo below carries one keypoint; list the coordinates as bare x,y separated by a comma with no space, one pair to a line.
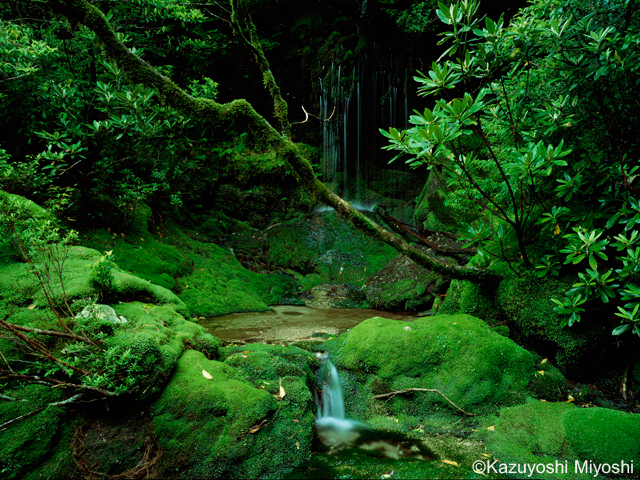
40,331
57,383
409,390
5,425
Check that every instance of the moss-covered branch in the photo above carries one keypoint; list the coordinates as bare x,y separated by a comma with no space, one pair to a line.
240,114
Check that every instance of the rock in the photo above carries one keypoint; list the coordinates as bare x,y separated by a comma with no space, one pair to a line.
459,355
101,312
403,285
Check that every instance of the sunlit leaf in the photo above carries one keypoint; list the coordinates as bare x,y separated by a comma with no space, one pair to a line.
206,374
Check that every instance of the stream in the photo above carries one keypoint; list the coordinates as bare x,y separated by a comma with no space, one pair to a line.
291,323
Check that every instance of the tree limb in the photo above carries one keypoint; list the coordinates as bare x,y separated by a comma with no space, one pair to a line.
433,390
240,114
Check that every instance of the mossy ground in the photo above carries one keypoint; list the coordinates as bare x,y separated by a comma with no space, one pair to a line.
29,443
206,277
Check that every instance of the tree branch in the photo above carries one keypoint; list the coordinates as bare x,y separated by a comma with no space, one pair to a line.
240,114
433,390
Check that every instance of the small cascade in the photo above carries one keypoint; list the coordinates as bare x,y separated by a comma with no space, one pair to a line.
338,432
331,404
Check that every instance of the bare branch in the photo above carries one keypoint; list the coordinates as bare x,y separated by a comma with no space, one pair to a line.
432,390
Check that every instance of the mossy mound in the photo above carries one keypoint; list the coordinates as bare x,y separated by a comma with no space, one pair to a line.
20,286
543,433
459,355
28,443
223,426
156,336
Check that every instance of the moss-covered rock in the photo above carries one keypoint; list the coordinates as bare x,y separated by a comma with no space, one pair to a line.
471,298
526,304
223,426
543,433
459,355
325,249
403,285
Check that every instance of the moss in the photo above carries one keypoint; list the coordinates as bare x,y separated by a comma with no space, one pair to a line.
603,435
459,355
471,298
325,249
27,443
157,336
210,280
539,432
526,303
224,427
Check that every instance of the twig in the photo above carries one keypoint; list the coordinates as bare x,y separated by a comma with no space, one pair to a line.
58,383
409,390
307,115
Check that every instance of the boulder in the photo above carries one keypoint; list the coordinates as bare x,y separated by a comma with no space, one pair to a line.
212,422
459,355
403,285
543,433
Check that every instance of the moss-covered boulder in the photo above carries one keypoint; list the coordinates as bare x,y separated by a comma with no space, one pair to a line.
403,285
325,249
213,423
543,433
459,355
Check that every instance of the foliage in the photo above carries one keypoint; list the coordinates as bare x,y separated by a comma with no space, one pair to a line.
536,128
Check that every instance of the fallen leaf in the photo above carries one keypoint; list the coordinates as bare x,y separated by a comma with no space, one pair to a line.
298,445
388,474
246,351
31,307
491,428
450,462
570,398
486,455
544,360
541,372
257,427
282,392
296,420
206,375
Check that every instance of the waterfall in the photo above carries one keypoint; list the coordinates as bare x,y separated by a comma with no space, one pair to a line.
331,419
355,102
332,399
